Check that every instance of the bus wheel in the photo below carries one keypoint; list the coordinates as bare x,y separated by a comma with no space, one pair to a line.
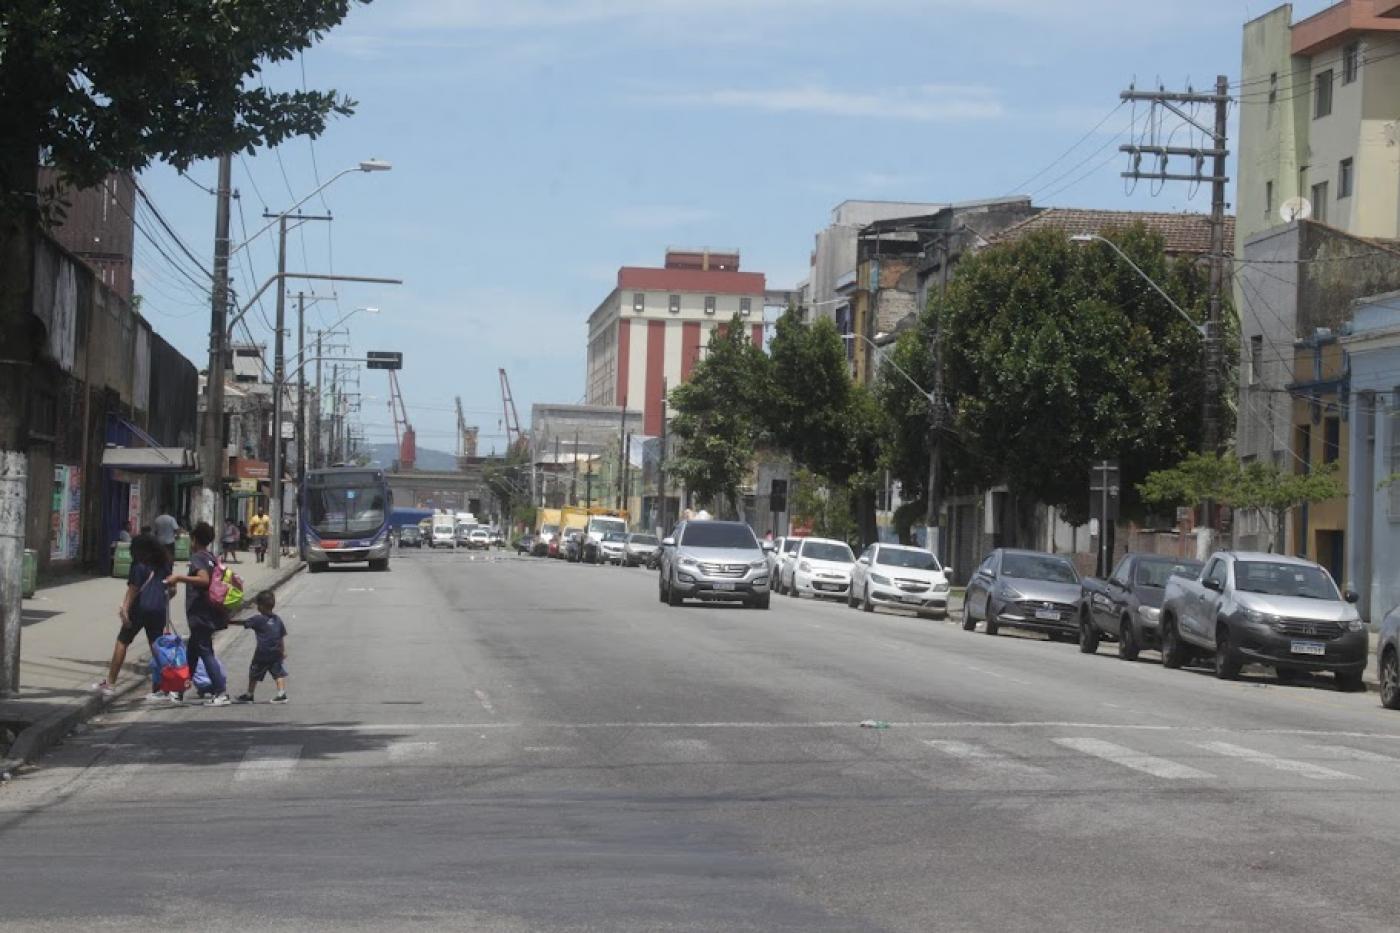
381,564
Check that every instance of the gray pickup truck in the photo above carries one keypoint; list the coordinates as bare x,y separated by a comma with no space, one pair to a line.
1251,608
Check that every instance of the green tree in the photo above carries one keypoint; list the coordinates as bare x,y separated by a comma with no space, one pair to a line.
826,506
93,87
718,422
905,424
1058,354
1260,486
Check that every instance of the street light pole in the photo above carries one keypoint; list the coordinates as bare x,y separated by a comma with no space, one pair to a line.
275,513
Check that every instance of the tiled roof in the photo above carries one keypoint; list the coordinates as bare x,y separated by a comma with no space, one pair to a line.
714,281
1185,234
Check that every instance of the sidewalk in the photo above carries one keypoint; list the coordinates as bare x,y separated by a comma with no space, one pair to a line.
68,631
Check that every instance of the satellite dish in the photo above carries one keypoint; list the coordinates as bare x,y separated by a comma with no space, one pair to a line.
1295,209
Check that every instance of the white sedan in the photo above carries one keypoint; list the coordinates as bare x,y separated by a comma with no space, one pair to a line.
819,567
897,575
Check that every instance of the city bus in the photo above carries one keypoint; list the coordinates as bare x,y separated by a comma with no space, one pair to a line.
345,514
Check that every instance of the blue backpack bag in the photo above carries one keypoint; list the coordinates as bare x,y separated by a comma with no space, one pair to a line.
169,663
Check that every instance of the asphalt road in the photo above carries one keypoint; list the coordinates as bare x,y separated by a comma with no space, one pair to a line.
518,744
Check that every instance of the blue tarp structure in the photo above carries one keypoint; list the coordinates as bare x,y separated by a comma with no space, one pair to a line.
400,517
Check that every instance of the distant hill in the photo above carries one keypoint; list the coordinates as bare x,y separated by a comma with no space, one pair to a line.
384,455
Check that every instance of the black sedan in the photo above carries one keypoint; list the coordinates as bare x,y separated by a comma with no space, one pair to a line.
410,536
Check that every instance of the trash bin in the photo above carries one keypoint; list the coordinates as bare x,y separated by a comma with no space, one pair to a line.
31,573
182,546
121,559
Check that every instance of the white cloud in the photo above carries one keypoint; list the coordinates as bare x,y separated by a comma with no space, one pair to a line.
927,103
659,217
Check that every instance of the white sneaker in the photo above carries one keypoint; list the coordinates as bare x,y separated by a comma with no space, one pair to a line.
104,688
175,697
220,700
155,695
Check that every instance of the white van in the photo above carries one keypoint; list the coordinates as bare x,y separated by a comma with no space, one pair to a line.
443,533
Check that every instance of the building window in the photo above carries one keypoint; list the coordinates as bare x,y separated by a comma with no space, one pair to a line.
1268,199
675,304
709,304
745,305
1331,439
1322,94
639,302
1319,202
1345,177
1351,62
1256,358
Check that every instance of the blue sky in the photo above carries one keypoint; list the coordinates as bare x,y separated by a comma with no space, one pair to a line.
537,146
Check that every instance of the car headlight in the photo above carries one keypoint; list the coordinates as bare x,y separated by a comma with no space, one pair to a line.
760,581
1261,618
804,567
941,587
1354,625
1008,592
685,578
689,562
758,564
880,579
1149,614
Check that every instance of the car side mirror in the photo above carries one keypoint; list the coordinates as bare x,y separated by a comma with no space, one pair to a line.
668,542
1213,584
947,571
1352,596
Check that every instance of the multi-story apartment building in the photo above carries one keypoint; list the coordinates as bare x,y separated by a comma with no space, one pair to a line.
648,334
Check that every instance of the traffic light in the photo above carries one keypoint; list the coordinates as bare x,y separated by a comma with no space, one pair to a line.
777,496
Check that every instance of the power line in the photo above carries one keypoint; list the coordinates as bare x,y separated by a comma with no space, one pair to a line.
1108,116
170,230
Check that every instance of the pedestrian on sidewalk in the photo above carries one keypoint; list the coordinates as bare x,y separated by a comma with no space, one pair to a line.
288,531
229,551
203,616
144,608
165,528
259,527
270,656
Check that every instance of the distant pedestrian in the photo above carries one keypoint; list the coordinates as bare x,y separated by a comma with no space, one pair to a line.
270,655
288,534
144,608
165,528
259,528
229,550
125,533
201,614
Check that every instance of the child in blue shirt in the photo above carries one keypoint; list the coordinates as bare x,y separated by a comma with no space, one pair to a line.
271,652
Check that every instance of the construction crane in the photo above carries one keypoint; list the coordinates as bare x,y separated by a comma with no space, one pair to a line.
405,441
515,438
466,439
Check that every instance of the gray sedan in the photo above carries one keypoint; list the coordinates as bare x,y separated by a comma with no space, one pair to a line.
1388,660
1024,589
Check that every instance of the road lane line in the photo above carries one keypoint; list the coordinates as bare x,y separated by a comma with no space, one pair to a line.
485,701
268,763
1304,768
407,751
983,757
1347,753
1122,755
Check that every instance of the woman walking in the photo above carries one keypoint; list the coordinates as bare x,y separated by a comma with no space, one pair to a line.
229,551
145,607
203,617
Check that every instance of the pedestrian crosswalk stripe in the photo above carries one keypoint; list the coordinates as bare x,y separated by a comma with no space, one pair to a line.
268,763
1304,768
982,757
1347,753
1122,755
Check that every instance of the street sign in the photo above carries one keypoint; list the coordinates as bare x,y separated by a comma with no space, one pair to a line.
383,359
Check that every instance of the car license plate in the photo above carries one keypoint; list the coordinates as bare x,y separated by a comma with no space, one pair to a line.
1049,615
725,587
910,599
1309,647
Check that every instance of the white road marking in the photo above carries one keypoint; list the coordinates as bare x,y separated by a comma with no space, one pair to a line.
1122,755
406,751
268,763
1347,753
1304,768
983,757
104,775
485,701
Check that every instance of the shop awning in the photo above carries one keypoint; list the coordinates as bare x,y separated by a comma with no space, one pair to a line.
151,459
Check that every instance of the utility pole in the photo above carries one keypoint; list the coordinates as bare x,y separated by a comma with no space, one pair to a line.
621,451
1163,153
932,517
316,417
331,442
278,377
626,472
556,472
301,403
573,489
210,506
661,466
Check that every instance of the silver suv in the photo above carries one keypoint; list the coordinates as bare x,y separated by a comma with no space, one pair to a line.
710,560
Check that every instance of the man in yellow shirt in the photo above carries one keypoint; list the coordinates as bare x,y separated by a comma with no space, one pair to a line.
258,528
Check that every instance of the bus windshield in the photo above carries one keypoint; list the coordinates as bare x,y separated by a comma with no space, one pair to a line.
346,505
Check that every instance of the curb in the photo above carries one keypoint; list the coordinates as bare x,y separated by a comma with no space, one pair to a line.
38,737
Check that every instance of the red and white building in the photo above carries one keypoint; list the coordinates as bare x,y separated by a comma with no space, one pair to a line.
647,335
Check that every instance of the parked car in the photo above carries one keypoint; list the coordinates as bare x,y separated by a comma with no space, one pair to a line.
1388,660
462,537
1126,607
1248,607
411,536
775,555
607,550
639,549
1024,589
571,548
900,576
819,567
780,559
479,539
525,544
713,560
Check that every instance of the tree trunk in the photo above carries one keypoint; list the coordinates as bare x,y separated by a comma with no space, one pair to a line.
21,337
